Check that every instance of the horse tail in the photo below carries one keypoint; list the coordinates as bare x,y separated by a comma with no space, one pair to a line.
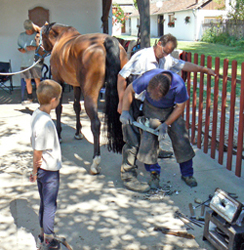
113,125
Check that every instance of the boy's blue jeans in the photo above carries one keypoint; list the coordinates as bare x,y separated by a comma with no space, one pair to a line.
186,168
48,186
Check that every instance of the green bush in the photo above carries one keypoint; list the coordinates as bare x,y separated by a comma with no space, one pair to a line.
211,36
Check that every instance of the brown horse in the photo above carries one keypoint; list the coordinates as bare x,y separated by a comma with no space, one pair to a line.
87,62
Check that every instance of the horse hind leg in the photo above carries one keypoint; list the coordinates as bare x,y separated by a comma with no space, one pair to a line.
77,109
91,110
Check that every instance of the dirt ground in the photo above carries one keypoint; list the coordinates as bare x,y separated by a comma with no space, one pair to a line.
97,212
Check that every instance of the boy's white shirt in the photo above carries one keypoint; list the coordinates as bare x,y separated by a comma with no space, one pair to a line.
44,138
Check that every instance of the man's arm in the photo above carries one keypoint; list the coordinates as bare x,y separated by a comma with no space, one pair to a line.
121,86
128,97
191,67
177,112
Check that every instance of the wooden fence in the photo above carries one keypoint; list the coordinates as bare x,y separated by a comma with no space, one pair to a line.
215,116
233,28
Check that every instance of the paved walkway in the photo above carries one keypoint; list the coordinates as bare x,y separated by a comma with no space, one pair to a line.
96,212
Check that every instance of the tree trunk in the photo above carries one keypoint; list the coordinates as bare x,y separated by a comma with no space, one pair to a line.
144,11
106,7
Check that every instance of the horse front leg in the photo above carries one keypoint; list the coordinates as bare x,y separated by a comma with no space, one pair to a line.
91,110
77,109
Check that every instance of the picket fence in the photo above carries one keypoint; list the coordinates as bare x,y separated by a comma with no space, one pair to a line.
214,113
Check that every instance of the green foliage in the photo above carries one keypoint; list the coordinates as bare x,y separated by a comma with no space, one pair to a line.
237,10
209,36
212,36
119,14
135,4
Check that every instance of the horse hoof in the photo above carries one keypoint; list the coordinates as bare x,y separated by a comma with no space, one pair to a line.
80,136
95,169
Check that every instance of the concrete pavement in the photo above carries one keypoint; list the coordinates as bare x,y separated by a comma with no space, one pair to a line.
97,212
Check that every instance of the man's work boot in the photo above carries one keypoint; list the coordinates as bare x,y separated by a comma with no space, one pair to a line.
154,180
189,180
130,182
164,154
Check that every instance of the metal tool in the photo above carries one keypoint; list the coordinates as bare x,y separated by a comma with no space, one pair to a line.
186,222
193,216
166,230
145,128
204,203
188,219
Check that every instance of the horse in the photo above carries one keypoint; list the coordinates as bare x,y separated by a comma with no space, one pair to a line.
87,62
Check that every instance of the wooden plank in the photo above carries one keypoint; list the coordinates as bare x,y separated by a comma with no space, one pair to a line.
208,104
200,106
223,111
240,127
189,93
215,108
232,115
194,103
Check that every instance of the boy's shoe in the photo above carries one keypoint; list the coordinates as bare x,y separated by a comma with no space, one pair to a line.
52,245
39,241
154,180
189,180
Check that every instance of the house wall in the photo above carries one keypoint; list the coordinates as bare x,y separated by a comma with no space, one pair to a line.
134,23
201,15
191,31
154,26
181,30
84,15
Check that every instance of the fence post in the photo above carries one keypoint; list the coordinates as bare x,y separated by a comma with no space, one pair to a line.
215,108
189,93
194,102
208,104
223,111
200,108
240,127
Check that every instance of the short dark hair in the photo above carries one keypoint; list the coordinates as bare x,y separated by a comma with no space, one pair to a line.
158,86
47,90
168,38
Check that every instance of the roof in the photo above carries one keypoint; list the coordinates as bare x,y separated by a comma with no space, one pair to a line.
173,6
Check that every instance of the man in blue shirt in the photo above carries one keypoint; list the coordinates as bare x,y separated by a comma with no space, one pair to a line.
165,98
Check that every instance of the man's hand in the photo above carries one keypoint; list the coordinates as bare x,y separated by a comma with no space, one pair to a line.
209,71
125,117
162,131
22,50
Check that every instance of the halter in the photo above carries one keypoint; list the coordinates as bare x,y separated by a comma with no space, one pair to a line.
46,53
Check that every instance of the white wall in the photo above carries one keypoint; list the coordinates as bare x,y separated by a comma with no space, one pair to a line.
181,30
134,29
84,15
154,26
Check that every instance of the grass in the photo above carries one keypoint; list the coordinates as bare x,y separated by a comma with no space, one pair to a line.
210,49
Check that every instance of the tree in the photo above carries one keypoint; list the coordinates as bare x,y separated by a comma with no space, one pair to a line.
237,10
144,11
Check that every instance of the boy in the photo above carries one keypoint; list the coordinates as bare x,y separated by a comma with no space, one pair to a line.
46,160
